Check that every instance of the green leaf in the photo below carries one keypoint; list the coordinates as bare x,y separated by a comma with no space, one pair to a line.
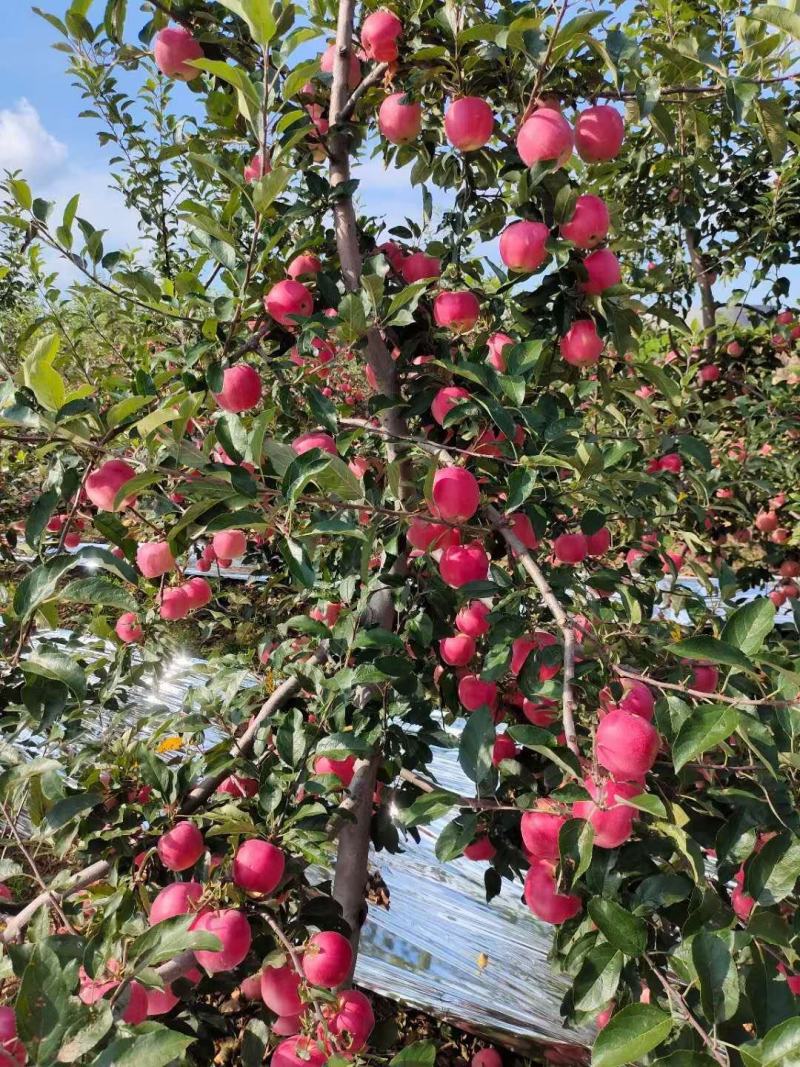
43,1006
780,1048
156,1048
300,567
712,650
716,971
39,517
772,874
59,668
630,1035
98,590
597,981
21,192
475,749
706,728
38,374
168,939
455,837
267,189
427,807
69,808
748,626
258,16
624,931
419,1054
781,17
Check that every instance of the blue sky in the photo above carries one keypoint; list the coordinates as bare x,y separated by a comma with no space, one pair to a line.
41,134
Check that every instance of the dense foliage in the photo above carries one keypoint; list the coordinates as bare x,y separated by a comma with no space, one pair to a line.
476,467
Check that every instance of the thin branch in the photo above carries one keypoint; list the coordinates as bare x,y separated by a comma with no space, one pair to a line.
476,803
542,68
366,83
563,621
11,823
623,672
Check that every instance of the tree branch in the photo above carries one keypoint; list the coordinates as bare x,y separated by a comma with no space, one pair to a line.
366,83
531,567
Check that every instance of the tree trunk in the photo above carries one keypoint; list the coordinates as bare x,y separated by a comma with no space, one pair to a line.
708,305
352,859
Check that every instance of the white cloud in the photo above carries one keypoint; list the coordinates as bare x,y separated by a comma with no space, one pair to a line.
25,144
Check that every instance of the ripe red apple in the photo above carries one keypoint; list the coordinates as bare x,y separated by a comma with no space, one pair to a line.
174,48
473,693
237,786
581,345
298,1051
497,344
327,959
259,166
570,548
348,1023
456,311
160,1001
173,603
597,544
128,628
589,223
103,485
785,318
12,1050
468,123
328,59
399,121
305,263
603,270
288,300
480,849
314,439
705,678
503,749
154,558
544,900
455,493
379,35
178,898
458,650
471,619
612,821
460,564
198,593
343,769
229,544
709,373
599,133
734,349
540,829
767,521
419,266
486,1057
626,744
181,847
241,388
638,699
741,903
790,568
522,245
424,535
522,528
258,866
233,930
540,712
546,136
522,647
446,399
280,990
